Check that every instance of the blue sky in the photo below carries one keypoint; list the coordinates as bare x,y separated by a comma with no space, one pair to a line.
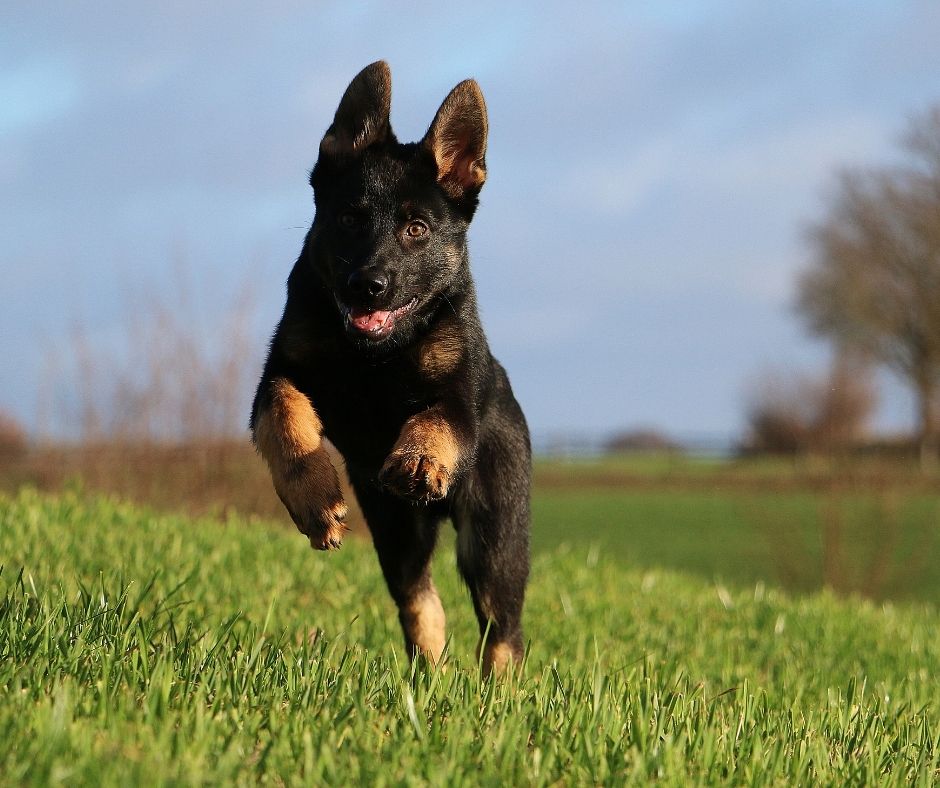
651,169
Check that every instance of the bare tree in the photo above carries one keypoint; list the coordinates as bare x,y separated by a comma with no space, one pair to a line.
174,373
790,414
13,440
874,284
845,402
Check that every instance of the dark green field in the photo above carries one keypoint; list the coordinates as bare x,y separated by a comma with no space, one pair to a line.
880,544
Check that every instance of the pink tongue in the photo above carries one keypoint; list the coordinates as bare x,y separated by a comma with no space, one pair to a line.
367,321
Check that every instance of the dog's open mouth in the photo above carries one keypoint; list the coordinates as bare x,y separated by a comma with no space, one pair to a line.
377,323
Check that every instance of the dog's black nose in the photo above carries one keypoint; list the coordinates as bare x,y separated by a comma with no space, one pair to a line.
368,282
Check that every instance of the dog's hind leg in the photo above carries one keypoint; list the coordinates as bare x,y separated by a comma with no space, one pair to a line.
492,521
404,537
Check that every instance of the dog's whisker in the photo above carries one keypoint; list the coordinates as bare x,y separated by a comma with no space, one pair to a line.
449,304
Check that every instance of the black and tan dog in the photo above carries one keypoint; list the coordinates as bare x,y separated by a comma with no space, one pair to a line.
380,349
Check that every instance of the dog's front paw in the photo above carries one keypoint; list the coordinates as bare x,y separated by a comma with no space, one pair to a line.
323,524
310,492
416,477
325,528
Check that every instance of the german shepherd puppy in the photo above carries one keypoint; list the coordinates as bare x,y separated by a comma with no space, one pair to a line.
380,349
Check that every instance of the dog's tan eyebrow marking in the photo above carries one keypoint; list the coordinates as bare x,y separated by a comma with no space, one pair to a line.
411,209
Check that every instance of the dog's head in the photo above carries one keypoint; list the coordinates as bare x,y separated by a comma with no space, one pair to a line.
389,236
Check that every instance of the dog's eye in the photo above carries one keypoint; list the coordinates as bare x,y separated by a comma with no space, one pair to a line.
348,220
416,229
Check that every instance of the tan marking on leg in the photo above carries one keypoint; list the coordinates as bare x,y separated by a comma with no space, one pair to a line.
498,658
287,434
423,459
289,427
424,623
430,434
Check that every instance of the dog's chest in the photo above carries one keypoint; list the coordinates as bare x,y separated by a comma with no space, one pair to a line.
364,407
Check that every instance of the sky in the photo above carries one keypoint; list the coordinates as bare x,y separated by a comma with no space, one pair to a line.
652,168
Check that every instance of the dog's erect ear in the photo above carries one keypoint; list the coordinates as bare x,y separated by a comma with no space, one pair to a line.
457,140
362,116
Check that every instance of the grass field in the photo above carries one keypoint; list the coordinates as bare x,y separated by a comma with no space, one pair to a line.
879,544
143,648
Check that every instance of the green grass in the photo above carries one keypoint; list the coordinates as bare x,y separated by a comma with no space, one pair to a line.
137,648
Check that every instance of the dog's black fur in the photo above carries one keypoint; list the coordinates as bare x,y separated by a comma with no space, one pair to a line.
380,348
